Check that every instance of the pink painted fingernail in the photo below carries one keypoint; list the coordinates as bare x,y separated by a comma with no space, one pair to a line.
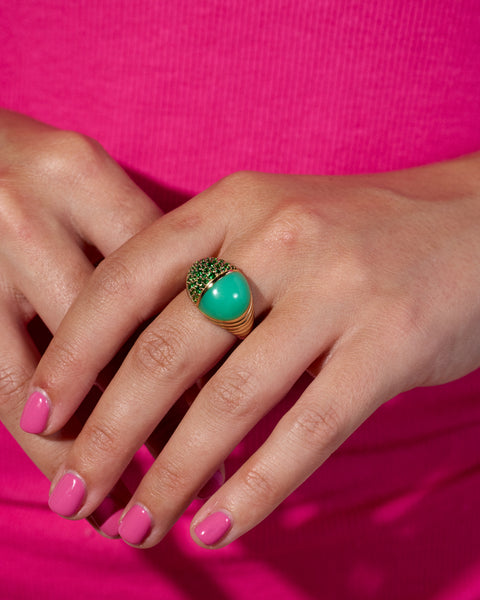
213,484
35,413
67,496
106,517
212,529
135,525
112,524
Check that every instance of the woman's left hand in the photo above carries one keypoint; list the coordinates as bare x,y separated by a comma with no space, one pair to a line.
369,282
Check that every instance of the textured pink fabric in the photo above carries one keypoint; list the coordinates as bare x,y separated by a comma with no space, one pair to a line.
183,93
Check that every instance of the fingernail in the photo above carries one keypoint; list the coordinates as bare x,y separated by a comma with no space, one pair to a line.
212,485
112,524
67,496
212,529
35,413
135,525
106,518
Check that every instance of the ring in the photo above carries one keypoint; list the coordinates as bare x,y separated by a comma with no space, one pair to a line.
221,292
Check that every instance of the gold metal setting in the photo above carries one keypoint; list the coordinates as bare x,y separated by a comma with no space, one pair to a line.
240,327
203,275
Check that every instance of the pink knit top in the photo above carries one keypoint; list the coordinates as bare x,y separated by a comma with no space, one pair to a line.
182,93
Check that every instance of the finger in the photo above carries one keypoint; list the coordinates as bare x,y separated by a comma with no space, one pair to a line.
18,359
93,198
50,284
56,268
229,405
350,387
126,289
106,208
165,361
51,273
166,428
106,517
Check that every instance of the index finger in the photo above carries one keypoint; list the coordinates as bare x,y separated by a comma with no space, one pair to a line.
126,289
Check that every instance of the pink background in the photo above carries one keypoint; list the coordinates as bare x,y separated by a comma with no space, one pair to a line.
182,93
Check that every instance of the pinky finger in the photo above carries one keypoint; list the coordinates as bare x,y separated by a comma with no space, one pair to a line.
329,410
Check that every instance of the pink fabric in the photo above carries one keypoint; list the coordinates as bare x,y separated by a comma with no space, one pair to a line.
183,93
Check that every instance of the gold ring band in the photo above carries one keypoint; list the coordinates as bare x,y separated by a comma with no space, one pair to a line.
222,293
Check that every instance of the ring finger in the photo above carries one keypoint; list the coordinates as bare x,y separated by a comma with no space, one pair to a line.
227,408
166,359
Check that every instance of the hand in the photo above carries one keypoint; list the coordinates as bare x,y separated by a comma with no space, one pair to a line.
63,204
369,282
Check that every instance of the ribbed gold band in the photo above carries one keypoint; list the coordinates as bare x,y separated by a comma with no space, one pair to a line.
241,326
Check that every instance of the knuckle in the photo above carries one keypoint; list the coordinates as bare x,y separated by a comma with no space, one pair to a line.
173,480
317,428
242,188
63,356
231,395
80,151
64,360
259,484
13,385
188,218
68,156
293,224
238,185
160,352
240,180
102,441
80,144
112,277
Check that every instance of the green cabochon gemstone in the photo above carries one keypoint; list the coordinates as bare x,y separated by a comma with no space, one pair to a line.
227,299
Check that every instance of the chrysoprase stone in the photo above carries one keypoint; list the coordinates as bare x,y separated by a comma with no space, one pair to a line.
227,299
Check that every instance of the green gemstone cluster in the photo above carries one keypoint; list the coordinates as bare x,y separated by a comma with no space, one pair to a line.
203,272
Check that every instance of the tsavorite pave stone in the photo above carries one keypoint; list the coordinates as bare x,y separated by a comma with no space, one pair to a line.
227,299
202,273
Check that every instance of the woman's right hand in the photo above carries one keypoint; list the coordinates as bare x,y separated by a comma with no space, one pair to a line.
64,203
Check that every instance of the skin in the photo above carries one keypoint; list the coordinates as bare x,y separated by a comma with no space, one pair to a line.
368,282
64,203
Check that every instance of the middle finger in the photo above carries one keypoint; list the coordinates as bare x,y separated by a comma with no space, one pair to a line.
165,361
230,404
